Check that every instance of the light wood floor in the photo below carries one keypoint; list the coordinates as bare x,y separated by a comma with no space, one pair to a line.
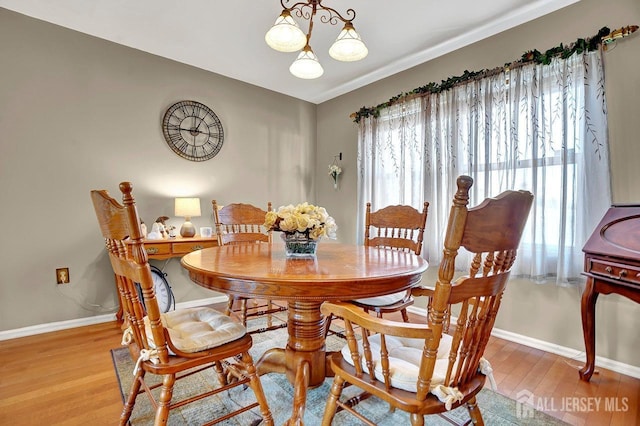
67,378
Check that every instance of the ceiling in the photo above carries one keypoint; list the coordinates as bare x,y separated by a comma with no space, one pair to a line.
228,37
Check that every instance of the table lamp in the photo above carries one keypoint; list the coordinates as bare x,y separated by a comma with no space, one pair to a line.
187,208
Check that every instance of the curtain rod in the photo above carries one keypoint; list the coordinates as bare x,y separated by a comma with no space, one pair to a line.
602,39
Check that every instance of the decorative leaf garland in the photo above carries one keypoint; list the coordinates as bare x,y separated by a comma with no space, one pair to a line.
579,46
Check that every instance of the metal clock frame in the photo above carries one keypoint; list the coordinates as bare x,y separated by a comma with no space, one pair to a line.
192,130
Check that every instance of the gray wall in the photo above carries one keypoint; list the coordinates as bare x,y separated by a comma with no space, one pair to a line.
78,113
544,312
69,103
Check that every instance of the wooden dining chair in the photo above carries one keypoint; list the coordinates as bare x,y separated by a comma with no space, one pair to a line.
398,227
175,344
416,367
241,223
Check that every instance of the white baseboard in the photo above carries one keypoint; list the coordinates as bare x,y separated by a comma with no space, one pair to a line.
609,364
98,319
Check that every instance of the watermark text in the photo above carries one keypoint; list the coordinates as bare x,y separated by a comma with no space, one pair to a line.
527,403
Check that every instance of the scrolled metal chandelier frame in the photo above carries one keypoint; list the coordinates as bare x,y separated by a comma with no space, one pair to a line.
286,36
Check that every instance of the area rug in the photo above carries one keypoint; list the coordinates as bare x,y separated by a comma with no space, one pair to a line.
496,409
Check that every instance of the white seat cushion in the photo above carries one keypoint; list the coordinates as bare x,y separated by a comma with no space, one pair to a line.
387,299
404,360
196,329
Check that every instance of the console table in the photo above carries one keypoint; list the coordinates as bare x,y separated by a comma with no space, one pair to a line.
612,265
177,247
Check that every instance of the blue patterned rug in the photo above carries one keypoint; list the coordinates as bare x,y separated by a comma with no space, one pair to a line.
496,409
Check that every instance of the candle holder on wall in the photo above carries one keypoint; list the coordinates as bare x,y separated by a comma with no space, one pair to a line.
335,170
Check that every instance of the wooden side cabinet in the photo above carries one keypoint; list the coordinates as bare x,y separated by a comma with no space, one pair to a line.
177,247
611,265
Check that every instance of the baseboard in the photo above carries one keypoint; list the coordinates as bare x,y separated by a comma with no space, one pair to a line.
609,364
98,319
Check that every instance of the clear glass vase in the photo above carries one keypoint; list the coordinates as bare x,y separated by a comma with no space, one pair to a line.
298,244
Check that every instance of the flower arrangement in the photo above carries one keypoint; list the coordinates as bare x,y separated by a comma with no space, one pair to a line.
305,218
334,171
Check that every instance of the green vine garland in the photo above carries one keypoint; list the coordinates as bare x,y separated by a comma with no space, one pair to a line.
579,46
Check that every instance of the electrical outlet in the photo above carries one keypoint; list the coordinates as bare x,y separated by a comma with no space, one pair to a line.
62,275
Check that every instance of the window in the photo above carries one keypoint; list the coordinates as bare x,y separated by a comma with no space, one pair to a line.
542,131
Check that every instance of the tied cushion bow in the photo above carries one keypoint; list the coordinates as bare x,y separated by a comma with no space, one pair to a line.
146,355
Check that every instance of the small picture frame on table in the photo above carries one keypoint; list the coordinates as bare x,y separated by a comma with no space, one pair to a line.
206,231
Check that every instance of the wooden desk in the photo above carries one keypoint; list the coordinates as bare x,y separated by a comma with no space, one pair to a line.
612,265
340,272
177,247
169,248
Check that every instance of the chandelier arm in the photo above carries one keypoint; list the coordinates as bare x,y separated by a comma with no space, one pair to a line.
351,15
331,16
298,8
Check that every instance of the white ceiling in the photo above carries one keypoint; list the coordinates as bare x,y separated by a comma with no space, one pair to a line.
227,37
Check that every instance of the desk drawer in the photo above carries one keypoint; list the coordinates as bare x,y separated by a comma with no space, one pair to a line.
183,248
614,270
157,249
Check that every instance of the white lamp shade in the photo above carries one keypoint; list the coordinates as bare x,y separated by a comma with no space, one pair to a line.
307,65
285,35
187,207
348,47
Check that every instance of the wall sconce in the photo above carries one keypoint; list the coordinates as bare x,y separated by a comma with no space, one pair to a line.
187,208
335,170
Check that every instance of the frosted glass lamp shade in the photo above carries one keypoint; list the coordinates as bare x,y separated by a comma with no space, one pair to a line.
307,65
348,47
187,208
285,35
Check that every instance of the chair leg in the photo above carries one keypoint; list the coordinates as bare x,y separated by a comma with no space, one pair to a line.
220,372
332,401
269,320
405,315
474,412
416,419
327,325
131,399
256,386
243,308
229,308
166,393
243,311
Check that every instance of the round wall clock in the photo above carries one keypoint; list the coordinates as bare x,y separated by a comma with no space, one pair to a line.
161,287
193,130
162,290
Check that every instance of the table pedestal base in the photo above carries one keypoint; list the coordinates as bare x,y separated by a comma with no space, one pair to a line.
304,359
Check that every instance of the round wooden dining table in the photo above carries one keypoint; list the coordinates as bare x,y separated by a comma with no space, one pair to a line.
338,272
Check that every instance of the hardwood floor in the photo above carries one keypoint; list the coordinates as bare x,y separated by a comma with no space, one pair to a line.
67,378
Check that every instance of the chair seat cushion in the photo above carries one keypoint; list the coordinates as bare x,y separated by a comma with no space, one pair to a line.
404,360
387,299
196,329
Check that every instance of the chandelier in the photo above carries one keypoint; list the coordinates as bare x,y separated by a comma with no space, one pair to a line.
286,36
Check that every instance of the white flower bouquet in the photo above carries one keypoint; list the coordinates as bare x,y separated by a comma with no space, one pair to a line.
334,170
305,218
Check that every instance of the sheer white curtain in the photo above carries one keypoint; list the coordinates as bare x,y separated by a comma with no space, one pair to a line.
537,127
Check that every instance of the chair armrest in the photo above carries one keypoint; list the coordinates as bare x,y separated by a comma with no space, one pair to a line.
356,315
423,291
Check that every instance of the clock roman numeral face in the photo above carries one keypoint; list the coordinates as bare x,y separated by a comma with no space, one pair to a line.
193,131
162,290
